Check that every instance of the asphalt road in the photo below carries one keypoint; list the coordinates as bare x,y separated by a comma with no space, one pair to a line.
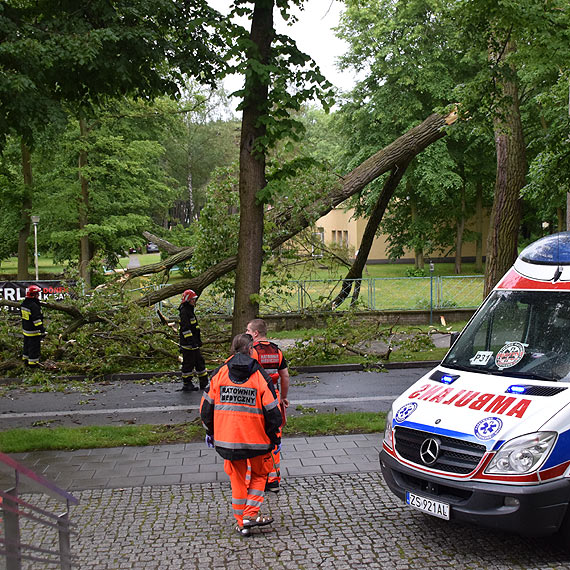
128,402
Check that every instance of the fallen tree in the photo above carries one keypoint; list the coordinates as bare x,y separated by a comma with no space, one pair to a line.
291,221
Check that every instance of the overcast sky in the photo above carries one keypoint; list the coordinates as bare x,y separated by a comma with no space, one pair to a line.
313,34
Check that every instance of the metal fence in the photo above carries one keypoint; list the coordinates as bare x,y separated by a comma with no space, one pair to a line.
376,294
15,511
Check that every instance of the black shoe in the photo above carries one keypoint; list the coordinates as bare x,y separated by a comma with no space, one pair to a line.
273,486
243,531
189,387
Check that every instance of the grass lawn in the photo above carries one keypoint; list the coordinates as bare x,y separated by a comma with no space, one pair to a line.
91,437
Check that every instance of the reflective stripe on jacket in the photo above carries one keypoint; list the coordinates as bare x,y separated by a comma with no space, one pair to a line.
32,319
189,327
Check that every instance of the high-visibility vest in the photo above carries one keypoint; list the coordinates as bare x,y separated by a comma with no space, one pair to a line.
244,414
269,355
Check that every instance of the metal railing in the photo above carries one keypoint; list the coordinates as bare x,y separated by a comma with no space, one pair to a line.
15,511
376,294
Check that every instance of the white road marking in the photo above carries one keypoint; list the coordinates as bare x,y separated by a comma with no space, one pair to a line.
195,408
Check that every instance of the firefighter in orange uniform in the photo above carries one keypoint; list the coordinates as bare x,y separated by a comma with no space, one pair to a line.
241,415
269,355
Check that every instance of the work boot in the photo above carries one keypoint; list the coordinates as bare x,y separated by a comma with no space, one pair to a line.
189,387
272,486
203,379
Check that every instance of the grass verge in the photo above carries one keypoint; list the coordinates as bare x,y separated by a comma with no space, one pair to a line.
92,437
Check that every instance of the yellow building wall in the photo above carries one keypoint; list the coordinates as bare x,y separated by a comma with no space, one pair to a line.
340,220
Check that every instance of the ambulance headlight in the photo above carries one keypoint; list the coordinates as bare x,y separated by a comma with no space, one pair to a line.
522,454
388,430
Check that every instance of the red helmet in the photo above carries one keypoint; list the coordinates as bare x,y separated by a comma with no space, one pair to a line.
33,292
188,295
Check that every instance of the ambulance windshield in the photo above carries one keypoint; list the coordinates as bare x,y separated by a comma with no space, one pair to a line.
517,333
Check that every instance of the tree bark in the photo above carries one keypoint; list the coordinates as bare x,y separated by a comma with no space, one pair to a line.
252,172
479,227
402,150
83,209
24,233
355,271
510,178
419,261
460,230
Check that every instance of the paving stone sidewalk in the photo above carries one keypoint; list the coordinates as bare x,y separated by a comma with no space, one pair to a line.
190,463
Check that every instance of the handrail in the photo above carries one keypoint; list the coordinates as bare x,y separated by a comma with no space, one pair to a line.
13,508
36,477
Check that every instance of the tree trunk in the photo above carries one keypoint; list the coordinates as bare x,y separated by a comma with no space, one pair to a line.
83,209
190,188
418,251
402,150
561,222
510,178
479,227
356,269
25,217
460,230
252,172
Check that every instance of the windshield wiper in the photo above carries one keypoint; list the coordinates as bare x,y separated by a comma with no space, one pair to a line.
466,368
530,375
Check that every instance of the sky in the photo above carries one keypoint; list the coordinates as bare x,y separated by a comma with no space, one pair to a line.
314,36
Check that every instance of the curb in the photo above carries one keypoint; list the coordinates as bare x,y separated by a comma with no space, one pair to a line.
133,376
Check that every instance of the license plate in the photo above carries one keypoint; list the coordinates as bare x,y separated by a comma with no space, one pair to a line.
435,508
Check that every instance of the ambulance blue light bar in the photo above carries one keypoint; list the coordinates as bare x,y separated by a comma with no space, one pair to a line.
444,377
517,389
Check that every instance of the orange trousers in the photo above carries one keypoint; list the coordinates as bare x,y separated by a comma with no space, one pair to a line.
247,496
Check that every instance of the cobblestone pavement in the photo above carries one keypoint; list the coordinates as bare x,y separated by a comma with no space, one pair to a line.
328,521
323,518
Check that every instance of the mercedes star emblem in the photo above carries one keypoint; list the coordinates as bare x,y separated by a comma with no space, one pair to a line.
429,450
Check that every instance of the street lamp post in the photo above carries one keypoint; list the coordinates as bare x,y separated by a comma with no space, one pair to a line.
36,221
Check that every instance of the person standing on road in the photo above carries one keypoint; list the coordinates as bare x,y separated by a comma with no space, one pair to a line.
241,415
190,343
269,355
32,326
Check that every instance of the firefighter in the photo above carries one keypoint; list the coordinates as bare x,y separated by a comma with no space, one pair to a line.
32,326
269,355
190,343
241,415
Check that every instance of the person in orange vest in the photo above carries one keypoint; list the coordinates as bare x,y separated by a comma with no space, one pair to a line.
32,326
190,343
269,355
240,412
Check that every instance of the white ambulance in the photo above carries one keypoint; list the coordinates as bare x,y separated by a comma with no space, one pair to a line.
484,437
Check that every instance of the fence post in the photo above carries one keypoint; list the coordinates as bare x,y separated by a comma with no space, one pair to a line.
431,269
64,542
12,530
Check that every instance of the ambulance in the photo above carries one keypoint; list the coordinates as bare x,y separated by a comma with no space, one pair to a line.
484,437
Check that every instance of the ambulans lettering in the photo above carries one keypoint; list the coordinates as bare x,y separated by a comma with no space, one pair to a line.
237,395
493,403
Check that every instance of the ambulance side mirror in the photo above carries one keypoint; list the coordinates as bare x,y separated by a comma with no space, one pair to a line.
453,337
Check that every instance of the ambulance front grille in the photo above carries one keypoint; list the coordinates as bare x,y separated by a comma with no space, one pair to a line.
455,455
